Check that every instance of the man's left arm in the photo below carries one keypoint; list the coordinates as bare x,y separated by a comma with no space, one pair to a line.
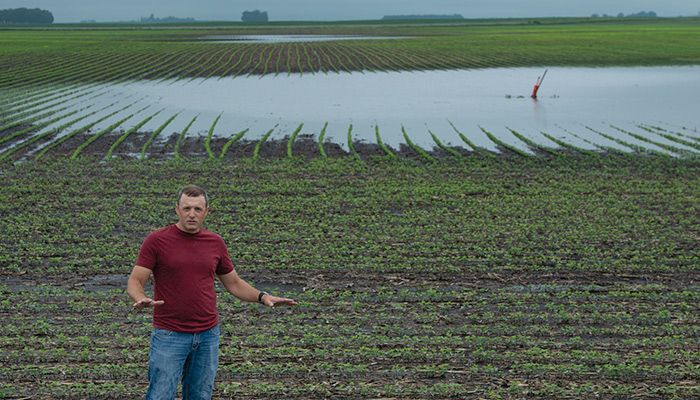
238,287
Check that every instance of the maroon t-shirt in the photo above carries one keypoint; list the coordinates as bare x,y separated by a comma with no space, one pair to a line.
184,266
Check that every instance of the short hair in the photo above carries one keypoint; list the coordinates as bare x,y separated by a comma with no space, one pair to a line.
193,191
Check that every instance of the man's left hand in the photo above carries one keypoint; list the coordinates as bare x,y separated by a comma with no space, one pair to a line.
274,301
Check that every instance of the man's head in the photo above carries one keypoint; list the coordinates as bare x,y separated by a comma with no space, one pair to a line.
191,207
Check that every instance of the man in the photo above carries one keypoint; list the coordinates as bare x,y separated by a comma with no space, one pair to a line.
184,258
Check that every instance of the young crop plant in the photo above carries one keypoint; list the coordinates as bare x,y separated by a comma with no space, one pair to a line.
84,128
421,152
608,149
150,67
286,59
180,65
503,144
355,58
85,71
207,141
181,138
297,50
224,66
531,144
101,133
479,150
327,63
569,146
31,107
213,66
44,124
236,137
258,146
454,153
18,98
126,134
673,149
308,66
201,63
262,58
29,121
636,148
266,65
33,139
370,60
351,146
321,136
155,134
381,144
336,51
248,51
663,133
290,142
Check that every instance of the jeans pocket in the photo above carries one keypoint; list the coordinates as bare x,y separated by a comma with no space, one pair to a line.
162,333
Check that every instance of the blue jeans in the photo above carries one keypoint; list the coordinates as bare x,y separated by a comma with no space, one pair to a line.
190,357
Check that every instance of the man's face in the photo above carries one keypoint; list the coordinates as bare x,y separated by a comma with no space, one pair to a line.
191,212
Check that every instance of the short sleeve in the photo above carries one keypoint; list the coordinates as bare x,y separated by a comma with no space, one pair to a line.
147,257
225,265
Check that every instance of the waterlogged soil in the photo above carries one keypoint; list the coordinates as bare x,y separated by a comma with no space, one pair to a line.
492,278
516,282
305,146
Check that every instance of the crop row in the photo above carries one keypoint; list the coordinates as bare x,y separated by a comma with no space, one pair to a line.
457,230
558,277
217,61
118,54
23,137
78,340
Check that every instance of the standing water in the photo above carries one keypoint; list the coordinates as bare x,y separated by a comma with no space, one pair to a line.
576,103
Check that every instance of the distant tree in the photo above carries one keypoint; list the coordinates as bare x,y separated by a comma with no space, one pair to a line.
25,16
620,15
595,16
254,16
643,14
152,19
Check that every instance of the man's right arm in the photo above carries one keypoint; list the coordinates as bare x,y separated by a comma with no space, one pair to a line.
134,287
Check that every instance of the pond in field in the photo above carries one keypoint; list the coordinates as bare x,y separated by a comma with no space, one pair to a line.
290,38
583,106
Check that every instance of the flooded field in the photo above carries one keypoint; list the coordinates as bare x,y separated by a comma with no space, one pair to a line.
584,106
550,253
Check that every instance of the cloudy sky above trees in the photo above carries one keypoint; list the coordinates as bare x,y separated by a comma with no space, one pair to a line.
125,10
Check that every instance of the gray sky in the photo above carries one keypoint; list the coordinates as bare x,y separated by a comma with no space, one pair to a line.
124,10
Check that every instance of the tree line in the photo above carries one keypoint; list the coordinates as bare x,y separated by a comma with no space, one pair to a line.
254,16
25,16
641,14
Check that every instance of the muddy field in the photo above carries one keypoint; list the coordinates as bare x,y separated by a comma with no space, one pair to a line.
561,277
304,146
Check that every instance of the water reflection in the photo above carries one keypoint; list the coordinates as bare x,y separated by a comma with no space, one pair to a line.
574,103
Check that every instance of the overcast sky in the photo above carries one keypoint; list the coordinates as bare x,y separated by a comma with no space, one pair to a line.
125,10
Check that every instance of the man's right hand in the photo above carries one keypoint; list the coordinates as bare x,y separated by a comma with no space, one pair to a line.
147,302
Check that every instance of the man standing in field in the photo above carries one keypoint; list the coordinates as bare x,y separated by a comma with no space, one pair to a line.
184,258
